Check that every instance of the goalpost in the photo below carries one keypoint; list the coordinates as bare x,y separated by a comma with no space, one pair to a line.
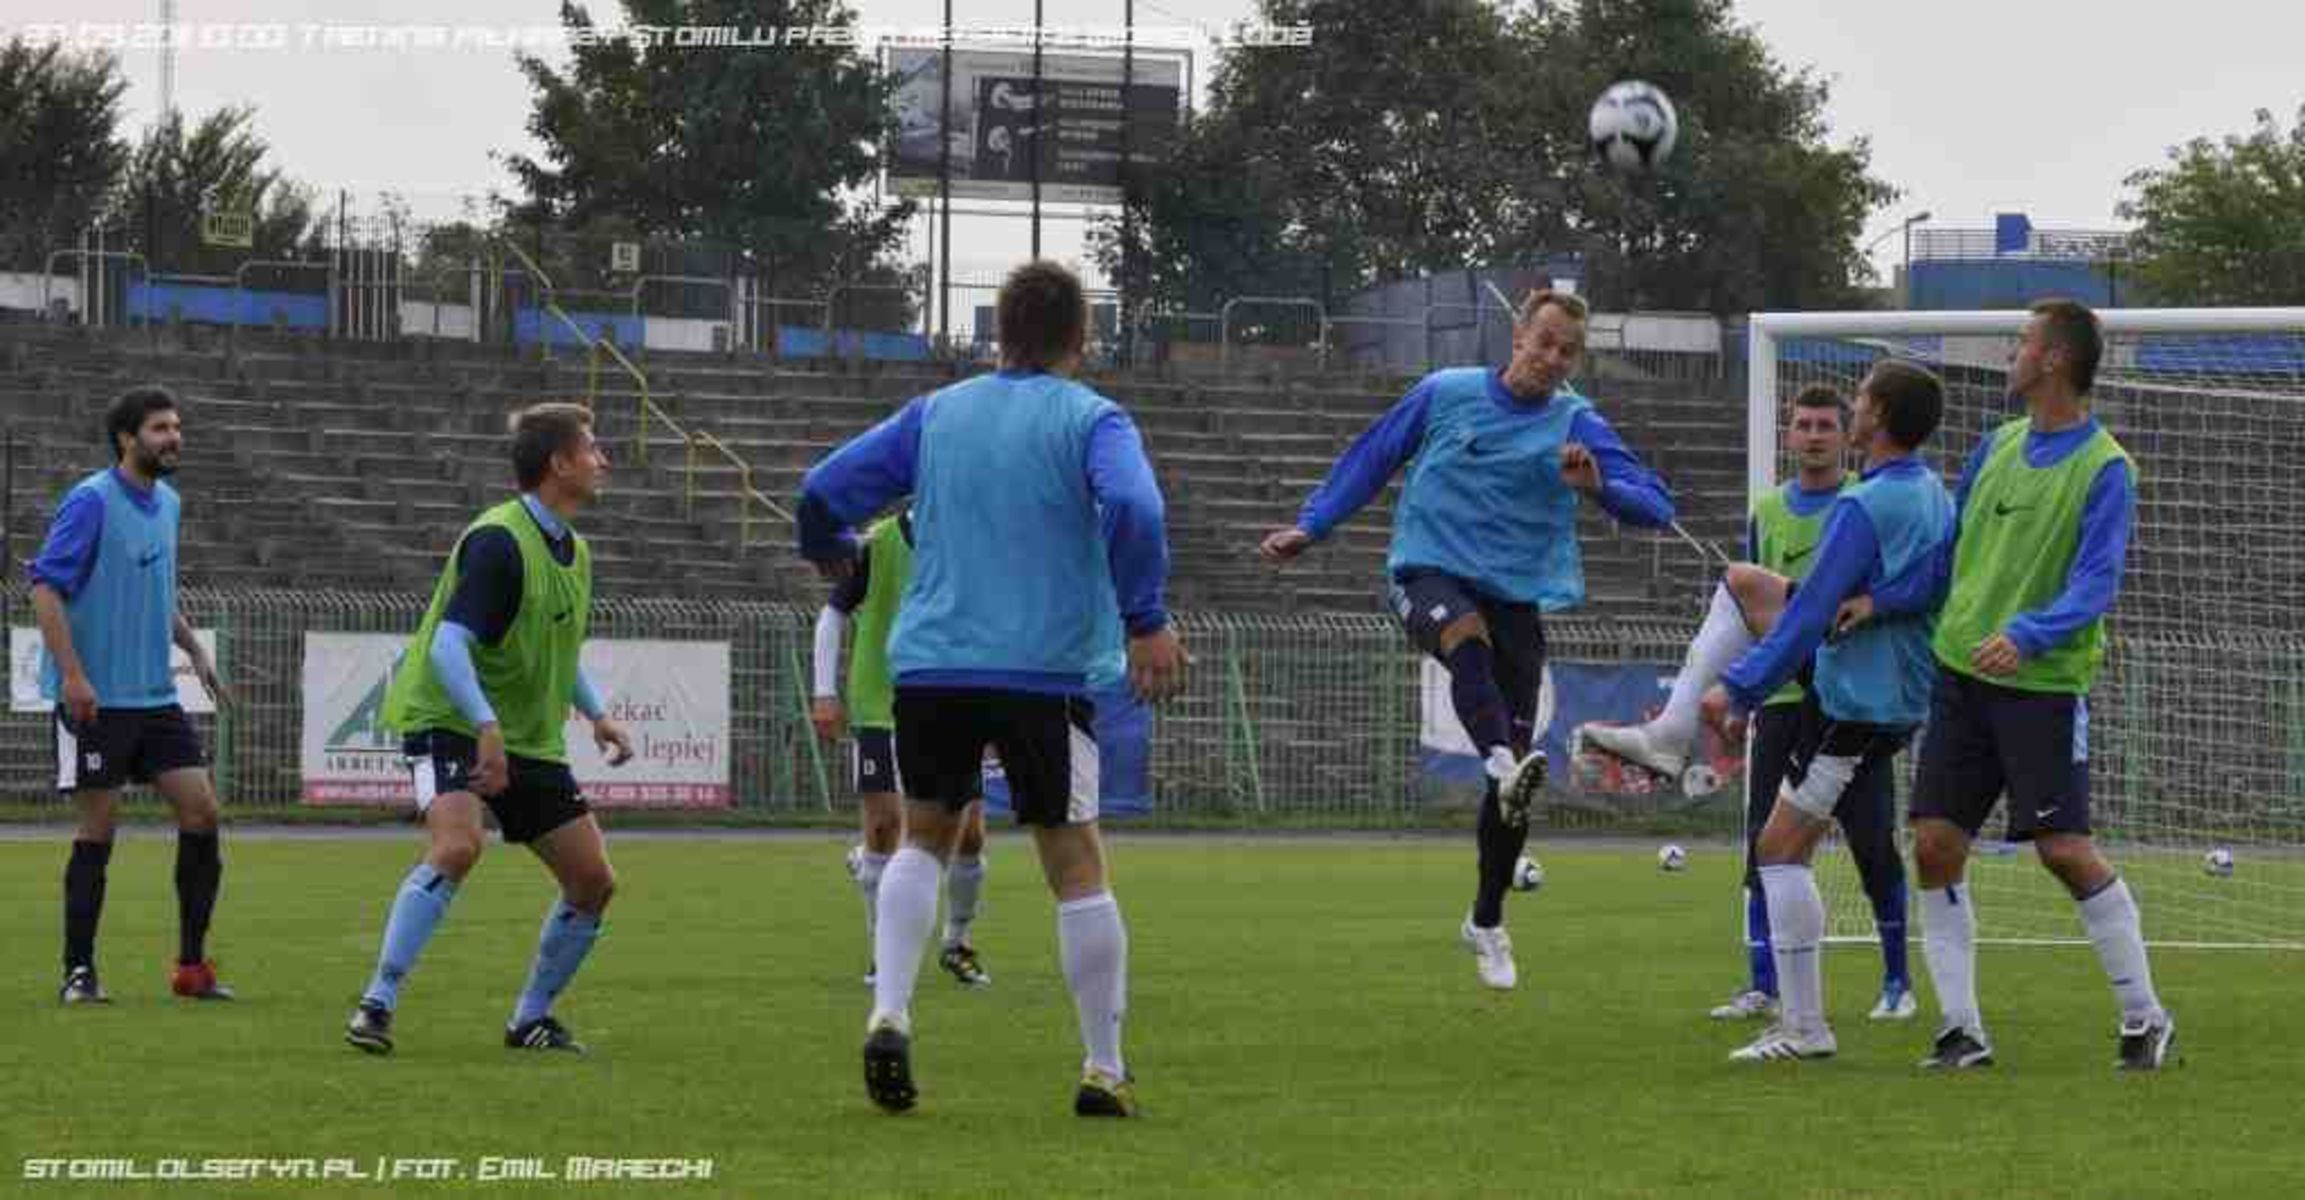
2197,723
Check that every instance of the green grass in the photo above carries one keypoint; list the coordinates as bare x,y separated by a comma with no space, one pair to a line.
1302,1023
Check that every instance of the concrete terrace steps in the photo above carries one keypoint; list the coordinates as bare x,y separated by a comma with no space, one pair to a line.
363,462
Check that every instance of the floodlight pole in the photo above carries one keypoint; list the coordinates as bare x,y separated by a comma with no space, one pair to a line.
944,193
1039,126
1124,311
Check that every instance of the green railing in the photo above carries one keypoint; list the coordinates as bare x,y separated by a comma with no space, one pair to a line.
649,413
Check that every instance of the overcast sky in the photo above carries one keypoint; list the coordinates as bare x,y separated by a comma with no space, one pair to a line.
1972,106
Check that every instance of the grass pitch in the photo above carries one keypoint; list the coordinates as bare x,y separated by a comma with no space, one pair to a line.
1303,1023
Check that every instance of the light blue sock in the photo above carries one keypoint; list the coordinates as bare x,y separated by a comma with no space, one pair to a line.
561,945
416,912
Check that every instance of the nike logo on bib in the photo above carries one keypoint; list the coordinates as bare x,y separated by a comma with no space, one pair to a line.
2004,508
1794,556
147,558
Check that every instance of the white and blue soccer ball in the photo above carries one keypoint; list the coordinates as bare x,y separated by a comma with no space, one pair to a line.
1633,126
2218,862
1528,875
1671,857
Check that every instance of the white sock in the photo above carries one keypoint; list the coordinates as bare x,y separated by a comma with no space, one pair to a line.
1720,641
1949,945
963,887
869,867
1797,941
2110,916
907,916
1095,948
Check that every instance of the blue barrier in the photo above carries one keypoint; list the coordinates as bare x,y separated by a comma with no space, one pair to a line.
533,325
2227,354
800,341
213,305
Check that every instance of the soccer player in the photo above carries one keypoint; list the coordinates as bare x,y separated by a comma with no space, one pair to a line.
1484,542
1782,538
870,595
2046,505
481,699
1034,508
1866,690
104,594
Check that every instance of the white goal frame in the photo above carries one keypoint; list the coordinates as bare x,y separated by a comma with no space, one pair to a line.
1763,330
1764,416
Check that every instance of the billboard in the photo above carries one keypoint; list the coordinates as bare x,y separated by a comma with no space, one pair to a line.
1075,125
672,697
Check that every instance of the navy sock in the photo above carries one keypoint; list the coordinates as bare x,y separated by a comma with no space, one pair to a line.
1479,703
84,901
199,872
1501,844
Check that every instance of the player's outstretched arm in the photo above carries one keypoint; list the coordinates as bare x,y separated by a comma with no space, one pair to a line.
859,478
1362,472
1847,556
1597,462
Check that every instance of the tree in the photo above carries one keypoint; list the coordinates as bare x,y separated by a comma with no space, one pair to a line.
59,120
2224,222
1417,138
765,151
1755,209
178,175
1318,169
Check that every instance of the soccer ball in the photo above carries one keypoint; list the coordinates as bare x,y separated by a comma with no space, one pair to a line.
1672,858
1528,875
2218,862
1633,126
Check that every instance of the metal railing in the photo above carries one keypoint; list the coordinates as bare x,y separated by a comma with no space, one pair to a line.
649,412
1225,316
95,283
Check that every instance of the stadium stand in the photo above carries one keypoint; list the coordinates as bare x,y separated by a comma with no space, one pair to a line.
352,465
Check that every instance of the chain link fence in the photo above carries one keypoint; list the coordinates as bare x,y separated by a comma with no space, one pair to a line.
1289,721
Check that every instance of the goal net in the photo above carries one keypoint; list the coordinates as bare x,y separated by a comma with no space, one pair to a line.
2197,722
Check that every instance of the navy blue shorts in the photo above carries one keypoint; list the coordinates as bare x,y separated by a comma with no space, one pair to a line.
1047,748
1845,769
1786,739
876,767
124,746
876,762
1429,601
1985,739
538,796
